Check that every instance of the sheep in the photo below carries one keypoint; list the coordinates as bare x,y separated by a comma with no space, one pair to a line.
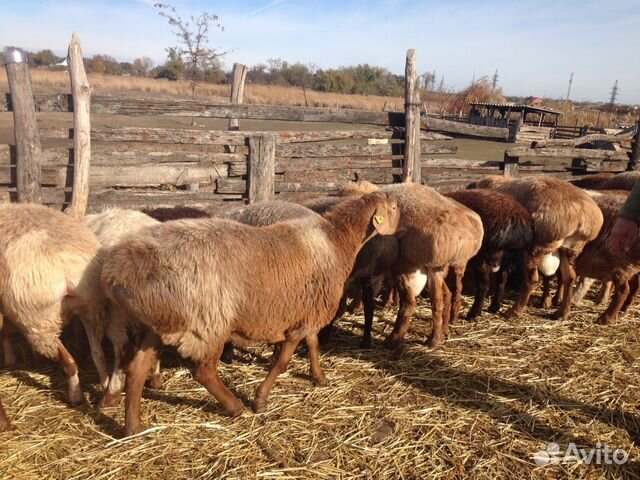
565,218
373,262
196,283
165,214
598,261
436,235
508,231
54,265
608,181
111,227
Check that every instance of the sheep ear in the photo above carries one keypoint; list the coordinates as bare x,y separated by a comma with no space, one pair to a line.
379,223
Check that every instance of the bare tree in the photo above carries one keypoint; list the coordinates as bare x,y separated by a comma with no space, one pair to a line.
193,36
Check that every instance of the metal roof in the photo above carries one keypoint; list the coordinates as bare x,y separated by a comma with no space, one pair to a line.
516,107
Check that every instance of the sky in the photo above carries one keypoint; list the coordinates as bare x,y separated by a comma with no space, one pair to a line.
534,45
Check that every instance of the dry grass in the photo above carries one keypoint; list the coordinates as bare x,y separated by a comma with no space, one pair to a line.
478,407
44,80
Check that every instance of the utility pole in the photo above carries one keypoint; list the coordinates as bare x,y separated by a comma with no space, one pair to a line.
494,82
569,89
614,95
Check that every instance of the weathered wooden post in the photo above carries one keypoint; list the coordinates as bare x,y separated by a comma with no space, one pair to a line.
510,165
237,91
261,168
25,127
411,170
81,91
634,161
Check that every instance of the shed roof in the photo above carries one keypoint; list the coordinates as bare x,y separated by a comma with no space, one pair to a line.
516,107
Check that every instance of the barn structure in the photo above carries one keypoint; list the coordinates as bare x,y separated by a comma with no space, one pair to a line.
525,122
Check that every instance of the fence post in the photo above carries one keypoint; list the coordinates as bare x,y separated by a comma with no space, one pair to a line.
261,168
237,91
411,171
634,161
81,92
25,126
510,165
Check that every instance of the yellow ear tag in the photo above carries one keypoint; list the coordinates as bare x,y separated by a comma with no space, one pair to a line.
379,219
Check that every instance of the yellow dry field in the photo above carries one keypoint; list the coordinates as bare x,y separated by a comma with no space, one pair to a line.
480,406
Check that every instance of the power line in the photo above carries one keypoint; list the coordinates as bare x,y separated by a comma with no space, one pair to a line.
570,82
614,95
494,82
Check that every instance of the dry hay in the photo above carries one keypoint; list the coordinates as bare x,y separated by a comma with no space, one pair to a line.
478,407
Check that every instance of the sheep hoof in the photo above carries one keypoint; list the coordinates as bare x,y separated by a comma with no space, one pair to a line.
472,315
559,315
258,405
493,308
545,302
392,343
604,320
155,381
5,427
237,409
511,313
110,400
434,340
320,381
134,429
365,343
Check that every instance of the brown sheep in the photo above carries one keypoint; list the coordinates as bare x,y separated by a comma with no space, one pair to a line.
196,283
608,181
565,218
54,267
439,235
599,262
165,214
508,233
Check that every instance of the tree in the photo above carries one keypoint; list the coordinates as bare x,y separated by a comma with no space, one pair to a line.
142,66
193,49
44,58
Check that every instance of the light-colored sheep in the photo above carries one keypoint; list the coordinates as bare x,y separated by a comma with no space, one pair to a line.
565,219
54,265
111,227
4,273
195,283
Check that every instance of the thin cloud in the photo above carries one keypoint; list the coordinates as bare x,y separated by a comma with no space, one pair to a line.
265,7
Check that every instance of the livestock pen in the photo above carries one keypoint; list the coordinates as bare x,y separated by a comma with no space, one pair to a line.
500,399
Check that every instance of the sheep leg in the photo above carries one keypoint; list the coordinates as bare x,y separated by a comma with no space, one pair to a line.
4,420
7,346
356,301
456,295
207,375
530,281
70,368
368,302
137,372
286,351
620,294
117,334
582,288
500,279
407,301
557,298
634,285
313,346
604,293
483,280
155,379
545,300
97,354
436,292
568,275
446,308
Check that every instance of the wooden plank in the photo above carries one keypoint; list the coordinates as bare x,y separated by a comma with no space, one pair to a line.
237,91
260,174
331,150
411,166
215,137
27,139
562,152
459,128
82,128
198,108
634,161
573,142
